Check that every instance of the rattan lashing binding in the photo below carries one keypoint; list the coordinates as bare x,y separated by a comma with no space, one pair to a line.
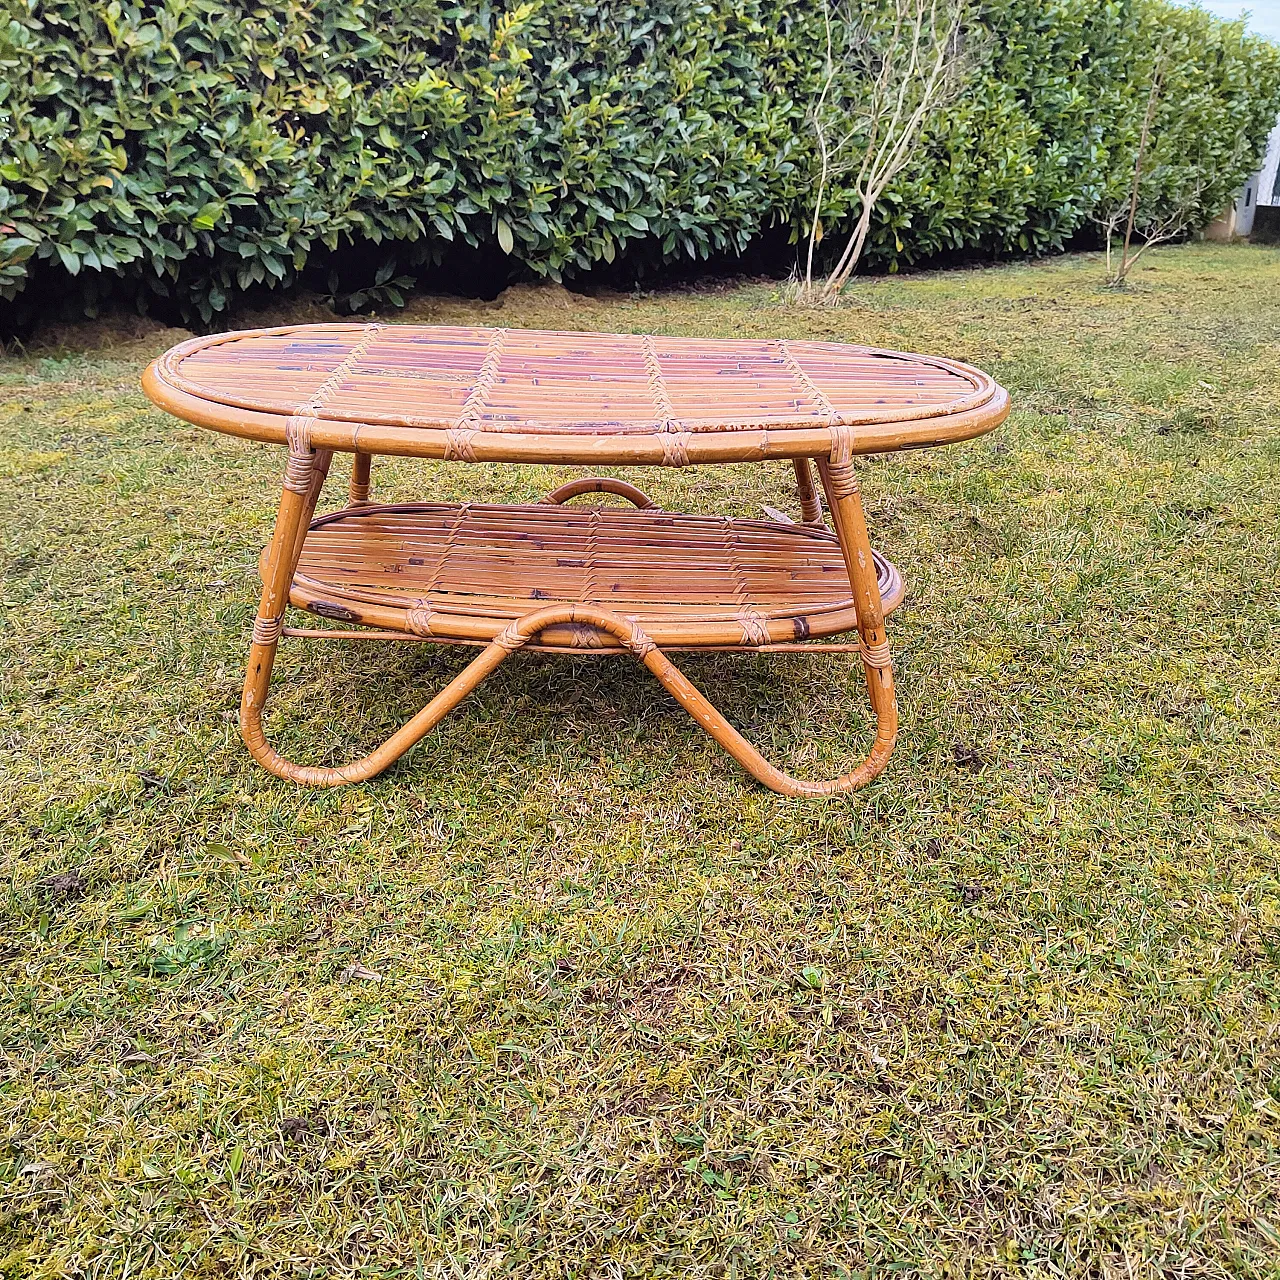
597,581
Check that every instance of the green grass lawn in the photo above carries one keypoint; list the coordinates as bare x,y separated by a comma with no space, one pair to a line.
1011,1011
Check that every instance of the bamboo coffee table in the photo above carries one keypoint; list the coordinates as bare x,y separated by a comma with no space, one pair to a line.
595,580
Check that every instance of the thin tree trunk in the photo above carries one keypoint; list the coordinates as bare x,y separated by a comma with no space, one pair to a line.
909,72
1152,98
853,250
817,215
884,160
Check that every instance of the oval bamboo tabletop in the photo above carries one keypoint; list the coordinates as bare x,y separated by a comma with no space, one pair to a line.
527,395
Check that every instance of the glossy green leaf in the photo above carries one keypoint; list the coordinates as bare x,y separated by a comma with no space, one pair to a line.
674,130
208,216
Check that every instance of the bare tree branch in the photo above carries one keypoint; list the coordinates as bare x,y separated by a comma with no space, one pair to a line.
1163,197
886,82
1157,76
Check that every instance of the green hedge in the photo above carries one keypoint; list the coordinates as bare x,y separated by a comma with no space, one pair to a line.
196,148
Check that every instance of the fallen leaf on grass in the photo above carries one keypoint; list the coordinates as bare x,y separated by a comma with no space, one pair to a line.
228,855
876,1056
357,972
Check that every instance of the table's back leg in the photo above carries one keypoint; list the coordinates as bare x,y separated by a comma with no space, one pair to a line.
361,484
810,504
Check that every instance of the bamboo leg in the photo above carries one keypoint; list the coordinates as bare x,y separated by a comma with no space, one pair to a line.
319,473
844,499
516,636
810,505
303,480
361,485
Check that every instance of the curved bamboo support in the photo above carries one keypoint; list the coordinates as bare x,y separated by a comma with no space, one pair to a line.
304,477
600,484
516,636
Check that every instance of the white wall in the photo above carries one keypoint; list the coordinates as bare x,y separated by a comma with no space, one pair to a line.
1246,203
1267,193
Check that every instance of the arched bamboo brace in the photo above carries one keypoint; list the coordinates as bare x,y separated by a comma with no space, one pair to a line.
600,484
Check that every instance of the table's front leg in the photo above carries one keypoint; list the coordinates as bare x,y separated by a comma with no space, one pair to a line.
304,478
319,473
844,499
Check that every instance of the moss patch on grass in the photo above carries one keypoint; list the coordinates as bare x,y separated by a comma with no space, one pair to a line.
565,994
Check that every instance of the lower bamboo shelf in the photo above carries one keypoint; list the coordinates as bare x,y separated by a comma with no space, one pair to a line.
464,571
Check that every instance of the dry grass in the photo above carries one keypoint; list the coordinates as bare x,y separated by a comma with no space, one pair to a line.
1010,1012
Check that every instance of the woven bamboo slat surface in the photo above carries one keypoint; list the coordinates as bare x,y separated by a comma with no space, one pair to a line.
463,572
530,395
